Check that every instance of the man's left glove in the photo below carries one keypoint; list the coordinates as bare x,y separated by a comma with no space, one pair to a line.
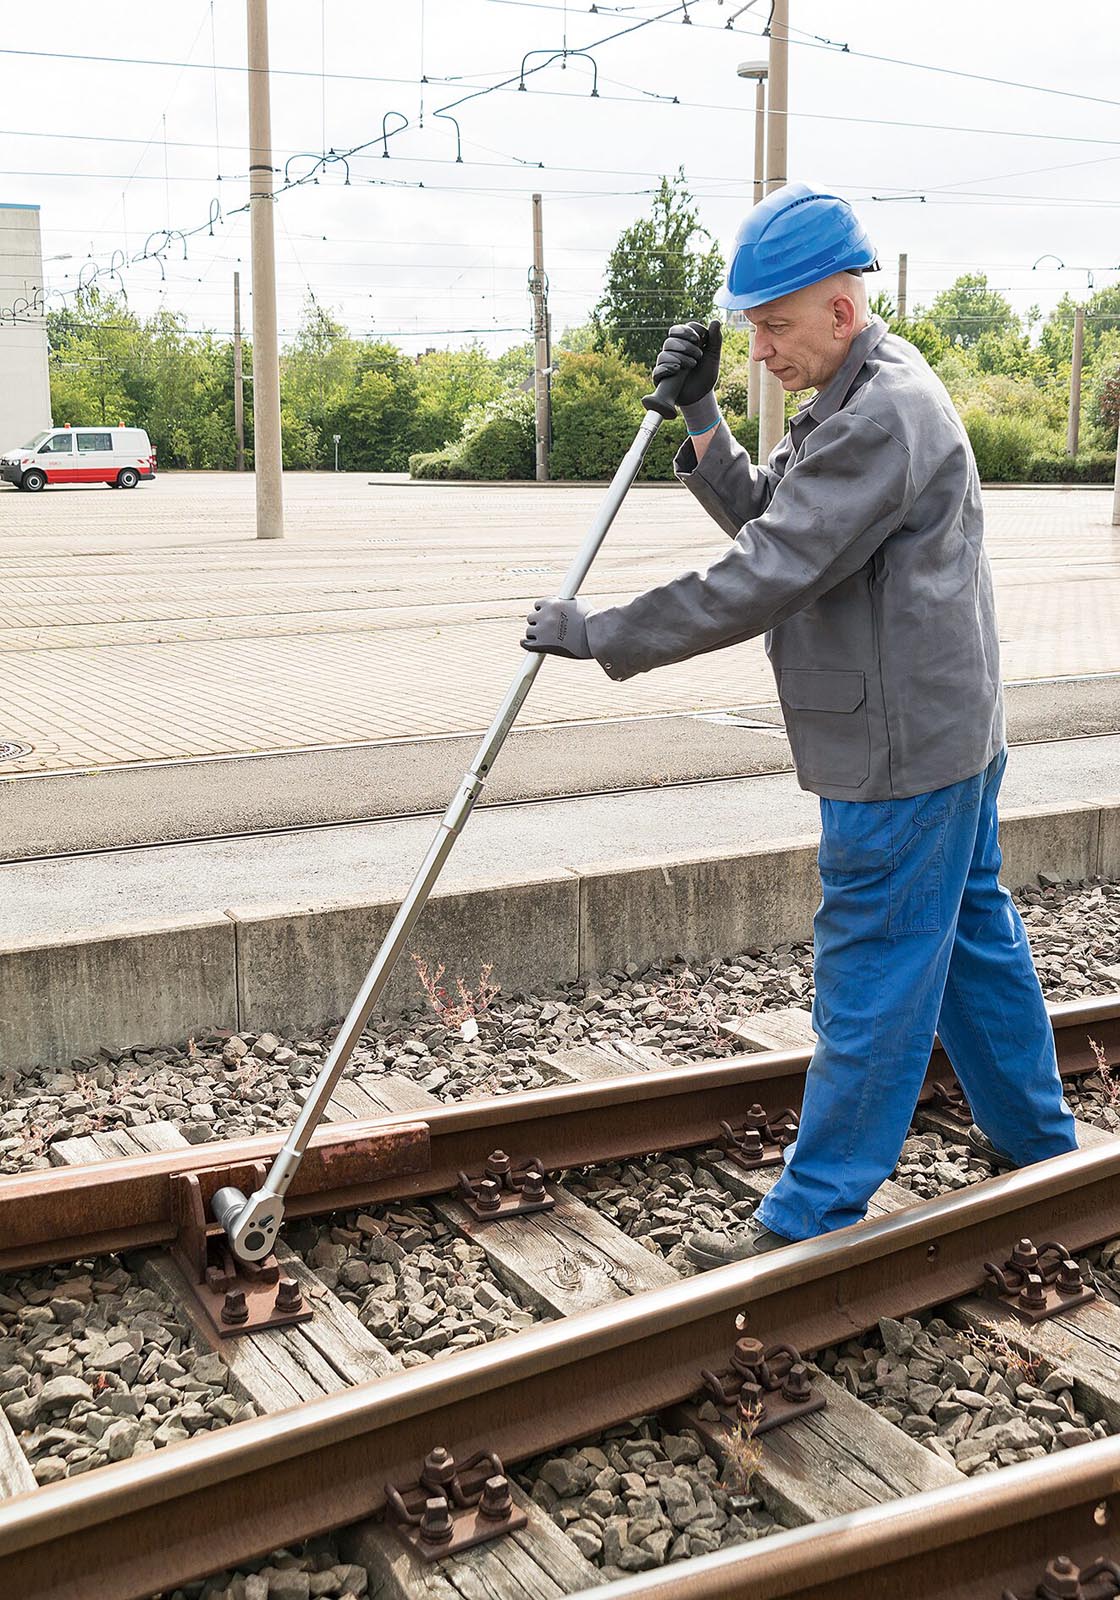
558,628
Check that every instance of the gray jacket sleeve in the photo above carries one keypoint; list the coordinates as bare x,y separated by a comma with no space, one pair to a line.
725,481
826,517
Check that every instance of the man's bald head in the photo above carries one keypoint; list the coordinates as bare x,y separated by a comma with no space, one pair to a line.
804,337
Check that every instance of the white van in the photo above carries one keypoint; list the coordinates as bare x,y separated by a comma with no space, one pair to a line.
120,457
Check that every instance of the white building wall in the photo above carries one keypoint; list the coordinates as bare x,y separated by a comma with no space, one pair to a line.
25,391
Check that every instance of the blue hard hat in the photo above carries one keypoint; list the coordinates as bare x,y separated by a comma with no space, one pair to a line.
794,237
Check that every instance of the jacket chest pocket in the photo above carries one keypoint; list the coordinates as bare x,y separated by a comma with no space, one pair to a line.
826,719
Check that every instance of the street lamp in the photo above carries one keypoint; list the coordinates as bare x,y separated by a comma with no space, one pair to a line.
758,70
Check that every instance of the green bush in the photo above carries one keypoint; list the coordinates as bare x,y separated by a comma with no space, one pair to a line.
1094,466
431,464
596,410
498,441
1004,446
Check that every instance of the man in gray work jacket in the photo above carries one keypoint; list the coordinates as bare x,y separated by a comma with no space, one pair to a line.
858,551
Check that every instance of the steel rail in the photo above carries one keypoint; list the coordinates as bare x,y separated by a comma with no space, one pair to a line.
71,1212
150,1523
968,1541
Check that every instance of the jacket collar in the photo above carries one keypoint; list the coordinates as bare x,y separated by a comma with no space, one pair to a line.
829,399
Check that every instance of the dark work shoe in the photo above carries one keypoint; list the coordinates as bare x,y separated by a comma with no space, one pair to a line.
981,1145
708,1249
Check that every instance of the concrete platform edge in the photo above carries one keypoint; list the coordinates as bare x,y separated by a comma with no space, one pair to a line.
299,966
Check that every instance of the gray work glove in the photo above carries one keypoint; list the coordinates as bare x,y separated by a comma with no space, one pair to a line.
558,628
695,349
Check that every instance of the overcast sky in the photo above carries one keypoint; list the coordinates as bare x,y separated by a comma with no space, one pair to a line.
114,152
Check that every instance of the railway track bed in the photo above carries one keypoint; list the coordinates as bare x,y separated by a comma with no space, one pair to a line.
283,1434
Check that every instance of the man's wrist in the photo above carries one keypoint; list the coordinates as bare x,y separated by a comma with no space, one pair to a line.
702,415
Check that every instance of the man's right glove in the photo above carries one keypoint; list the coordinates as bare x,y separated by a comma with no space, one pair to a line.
696,349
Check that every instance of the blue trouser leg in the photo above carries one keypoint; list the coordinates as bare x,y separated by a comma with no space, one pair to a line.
993,1020
910,900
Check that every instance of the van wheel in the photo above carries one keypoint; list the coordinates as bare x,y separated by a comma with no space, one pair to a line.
33,481
127,478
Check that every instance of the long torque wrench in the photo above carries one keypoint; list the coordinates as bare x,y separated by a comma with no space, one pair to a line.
252,1224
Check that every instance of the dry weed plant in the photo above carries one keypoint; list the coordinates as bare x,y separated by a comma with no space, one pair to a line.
686,998
742,1451
1110,1082
470,1004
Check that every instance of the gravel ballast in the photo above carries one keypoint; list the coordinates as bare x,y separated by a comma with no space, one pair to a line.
640,1496
419,1288
95,1367
223,1085
975,1401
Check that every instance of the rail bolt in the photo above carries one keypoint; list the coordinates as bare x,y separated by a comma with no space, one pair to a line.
797,1386
750,1403
488,1196
755,1117
747,1355
751,1143
288,1296
1024,1257
436,1525
497,1165
439,1468
497,1501
1061,1581
234,1308
532,1184
1068,1280
1032,1296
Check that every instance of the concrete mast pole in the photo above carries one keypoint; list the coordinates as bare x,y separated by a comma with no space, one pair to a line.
1116,487
1073,428
772,418
902,264
267,460
238,381
753,370
540,342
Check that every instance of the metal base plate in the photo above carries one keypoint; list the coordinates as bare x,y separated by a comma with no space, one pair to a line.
513,1205
1056,1304
468,1529
260,1302
771,1157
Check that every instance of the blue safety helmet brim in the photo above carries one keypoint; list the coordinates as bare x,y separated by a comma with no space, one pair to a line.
794,237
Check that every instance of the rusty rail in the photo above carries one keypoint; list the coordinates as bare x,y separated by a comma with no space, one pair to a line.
150,1523
969,1541
69,1212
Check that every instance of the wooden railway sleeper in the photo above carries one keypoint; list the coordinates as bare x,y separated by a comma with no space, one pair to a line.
505,1189
1037,1282
1064,1580
453,1507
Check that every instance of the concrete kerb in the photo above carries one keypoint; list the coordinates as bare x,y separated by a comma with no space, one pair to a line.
142,983
297,967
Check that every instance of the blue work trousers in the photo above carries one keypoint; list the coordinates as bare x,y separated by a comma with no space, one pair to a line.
914,936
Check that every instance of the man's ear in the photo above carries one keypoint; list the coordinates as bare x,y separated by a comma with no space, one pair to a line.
843,317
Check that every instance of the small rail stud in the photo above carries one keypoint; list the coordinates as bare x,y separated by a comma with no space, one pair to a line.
235,1309
436,1525
288,1296
497,1501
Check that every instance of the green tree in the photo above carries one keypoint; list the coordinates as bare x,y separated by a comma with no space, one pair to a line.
94,345
318,374
969,309
378,419
449,384
1102,317
663,268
